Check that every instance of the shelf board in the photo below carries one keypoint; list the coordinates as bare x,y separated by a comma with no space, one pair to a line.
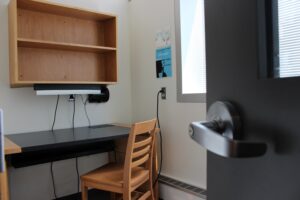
67,82
29,43
60,9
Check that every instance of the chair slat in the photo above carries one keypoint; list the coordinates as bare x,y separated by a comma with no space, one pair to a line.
142,143
140,161
141,152
145,196
144,127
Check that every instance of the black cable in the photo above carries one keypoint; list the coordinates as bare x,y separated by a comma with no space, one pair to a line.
160,135
55,112
74,112
76,159
51,164
53,182
85,109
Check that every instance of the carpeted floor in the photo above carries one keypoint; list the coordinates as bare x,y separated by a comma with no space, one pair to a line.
93,195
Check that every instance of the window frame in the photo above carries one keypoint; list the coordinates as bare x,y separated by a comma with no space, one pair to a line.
183,98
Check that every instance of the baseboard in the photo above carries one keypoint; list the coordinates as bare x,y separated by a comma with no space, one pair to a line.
172,189
170,193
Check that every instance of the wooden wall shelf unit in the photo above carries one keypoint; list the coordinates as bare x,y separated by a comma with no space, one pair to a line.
54,44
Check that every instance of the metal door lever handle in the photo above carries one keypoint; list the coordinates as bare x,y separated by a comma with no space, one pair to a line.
221,134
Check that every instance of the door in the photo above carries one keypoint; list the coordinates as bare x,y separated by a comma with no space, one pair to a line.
269,108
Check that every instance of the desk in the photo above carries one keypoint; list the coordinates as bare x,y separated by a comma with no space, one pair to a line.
9,149
45,146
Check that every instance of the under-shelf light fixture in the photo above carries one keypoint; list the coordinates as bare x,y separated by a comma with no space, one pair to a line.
66,89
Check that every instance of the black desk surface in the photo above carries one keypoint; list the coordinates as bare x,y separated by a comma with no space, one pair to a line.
44,140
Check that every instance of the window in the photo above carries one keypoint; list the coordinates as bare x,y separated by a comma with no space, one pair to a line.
190,43
279,27
289,38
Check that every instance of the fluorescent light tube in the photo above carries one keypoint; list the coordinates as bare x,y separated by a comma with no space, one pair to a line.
66,92
65,89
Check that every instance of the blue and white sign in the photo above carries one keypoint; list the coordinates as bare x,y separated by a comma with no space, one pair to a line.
164,62
163,53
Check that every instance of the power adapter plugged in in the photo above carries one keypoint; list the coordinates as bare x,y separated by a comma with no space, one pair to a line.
71,98
163,92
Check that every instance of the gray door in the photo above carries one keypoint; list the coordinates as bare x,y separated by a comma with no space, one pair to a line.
270,109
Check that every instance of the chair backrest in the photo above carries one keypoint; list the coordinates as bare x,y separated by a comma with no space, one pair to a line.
140,148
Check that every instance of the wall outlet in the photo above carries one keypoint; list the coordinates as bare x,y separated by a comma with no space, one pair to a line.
164,93
71,98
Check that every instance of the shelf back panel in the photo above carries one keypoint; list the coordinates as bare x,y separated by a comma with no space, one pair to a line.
56,28
110,32
110,60
58,65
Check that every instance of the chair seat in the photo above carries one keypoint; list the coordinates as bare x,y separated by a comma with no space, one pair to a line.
112,175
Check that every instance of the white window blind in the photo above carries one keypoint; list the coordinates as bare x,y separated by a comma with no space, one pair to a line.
191,55
289,37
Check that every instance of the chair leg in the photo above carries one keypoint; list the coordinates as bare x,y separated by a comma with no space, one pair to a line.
126,195
84,191
152,197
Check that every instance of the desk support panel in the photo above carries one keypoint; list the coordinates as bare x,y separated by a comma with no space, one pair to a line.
29,158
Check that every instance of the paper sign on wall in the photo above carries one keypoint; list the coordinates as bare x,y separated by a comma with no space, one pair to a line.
163,53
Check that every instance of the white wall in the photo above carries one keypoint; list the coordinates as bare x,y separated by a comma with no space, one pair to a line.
26,112
183,159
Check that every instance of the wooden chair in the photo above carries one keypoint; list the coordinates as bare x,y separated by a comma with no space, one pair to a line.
136,171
